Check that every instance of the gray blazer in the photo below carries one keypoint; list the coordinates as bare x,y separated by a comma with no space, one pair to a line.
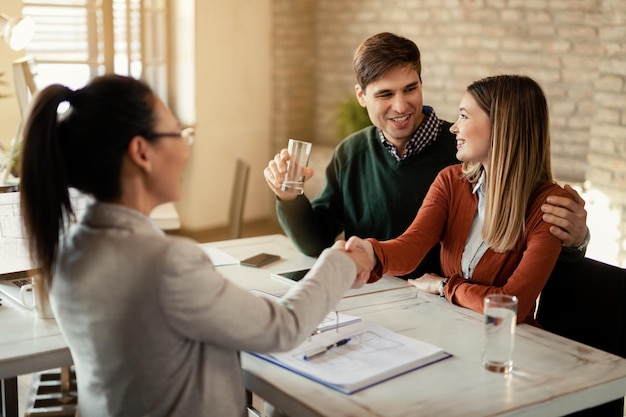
155,330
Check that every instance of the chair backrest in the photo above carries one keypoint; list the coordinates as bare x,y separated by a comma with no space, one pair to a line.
238,199
24,73
585,301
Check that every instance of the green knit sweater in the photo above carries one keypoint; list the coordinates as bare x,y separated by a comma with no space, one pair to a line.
367,194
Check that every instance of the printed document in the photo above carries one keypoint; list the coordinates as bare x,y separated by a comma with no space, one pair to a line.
373,354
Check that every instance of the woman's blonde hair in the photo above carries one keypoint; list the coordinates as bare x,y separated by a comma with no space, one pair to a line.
519,156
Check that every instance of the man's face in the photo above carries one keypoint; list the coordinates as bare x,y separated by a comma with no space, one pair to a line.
394,103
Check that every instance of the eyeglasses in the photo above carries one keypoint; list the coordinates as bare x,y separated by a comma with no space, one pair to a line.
187,134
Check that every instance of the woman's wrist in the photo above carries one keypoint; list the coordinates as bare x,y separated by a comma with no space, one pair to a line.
442,287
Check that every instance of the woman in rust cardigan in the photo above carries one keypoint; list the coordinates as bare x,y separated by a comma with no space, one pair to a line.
486,212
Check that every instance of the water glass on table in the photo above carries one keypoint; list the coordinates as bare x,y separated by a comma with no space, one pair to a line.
500,312
299,153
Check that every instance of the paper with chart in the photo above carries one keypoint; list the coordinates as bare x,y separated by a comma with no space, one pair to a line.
372,355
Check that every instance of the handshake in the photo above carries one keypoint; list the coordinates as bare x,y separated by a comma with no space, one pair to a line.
362,254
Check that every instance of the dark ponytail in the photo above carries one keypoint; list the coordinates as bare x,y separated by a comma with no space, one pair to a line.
82,148
45,201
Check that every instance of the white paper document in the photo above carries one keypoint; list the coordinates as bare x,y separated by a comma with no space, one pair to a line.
372,355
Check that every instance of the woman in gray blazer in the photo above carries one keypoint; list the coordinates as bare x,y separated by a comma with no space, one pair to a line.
153,328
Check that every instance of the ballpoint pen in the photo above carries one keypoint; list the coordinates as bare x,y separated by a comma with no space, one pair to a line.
324,349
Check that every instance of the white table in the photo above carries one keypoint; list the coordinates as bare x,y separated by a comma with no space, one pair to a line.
27,345
552,375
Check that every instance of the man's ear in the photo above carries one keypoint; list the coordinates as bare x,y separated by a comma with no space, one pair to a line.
139,153
360,94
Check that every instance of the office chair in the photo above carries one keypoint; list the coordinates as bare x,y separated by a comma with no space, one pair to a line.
238,199
594,317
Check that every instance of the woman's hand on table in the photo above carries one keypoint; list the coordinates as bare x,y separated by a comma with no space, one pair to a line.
429,283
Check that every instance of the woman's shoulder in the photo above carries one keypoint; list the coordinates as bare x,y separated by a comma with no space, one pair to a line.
551,188
455,170
452,174
541,193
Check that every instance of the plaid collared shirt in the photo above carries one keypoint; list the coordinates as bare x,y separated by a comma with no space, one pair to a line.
425,134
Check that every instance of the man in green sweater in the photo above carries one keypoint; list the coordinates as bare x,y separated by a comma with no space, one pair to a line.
378,177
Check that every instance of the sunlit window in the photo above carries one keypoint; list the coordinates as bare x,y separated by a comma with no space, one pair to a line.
76,40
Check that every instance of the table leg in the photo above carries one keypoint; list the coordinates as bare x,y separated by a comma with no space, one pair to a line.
8,397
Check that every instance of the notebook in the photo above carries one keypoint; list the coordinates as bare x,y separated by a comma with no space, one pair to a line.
359,356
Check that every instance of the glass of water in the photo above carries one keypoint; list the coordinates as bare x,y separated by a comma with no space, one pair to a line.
500,312
299,153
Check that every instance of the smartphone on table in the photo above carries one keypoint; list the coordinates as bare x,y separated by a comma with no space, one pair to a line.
290,277
259,260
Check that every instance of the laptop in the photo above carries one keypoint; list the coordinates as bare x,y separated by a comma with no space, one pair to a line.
16,269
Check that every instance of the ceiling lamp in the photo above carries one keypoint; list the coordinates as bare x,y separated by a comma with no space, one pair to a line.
16,31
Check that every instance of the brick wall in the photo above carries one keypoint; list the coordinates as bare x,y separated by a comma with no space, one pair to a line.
293,70
576,49
607,149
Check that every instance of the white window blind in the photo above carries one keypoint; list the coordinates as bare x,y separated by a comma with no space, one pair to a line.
76,40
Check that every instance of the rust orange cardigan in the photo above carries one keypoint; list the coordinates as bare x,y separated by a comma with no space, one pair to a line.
446,216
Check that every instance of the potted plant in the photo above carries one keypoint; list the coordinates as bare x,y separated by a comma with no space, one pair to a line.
351,116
